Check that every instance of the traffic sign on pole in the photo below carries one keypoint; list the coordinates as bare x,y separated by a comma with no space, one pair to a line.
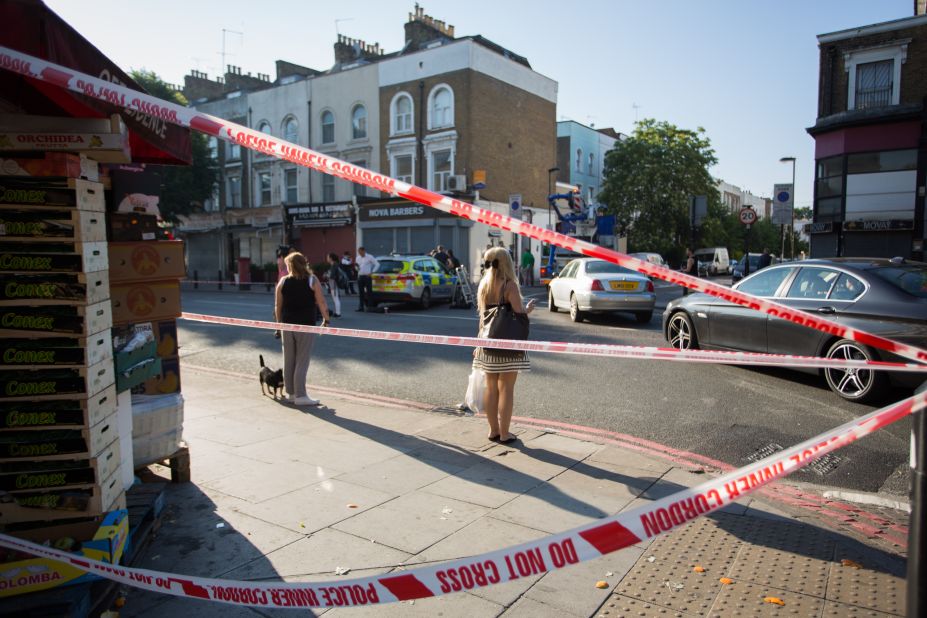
783,202
515,205
747,216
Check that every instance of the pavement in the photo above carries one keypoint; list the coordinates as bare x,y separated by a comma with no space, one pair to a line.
372,485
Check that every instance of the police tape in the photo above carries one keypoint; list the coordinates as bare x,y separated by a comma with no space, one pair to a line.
583,349
543,555
122,96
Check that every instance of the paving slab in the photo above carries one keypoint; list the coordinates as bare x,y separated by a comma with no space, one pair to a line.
401,474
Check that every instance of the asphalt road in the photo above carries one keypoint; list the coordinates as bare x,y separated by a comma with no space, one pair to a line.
724,412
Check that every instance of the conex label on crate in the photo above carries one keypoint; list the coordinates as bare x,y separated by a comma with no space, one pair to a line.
528,559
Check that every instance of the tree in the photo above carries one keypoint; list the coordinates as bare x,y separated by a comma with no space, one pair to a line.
649,179
184,188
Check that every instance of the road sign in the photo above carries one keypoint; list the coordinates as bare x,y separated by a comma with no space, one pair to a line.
783,202
698,209
747,216
515,205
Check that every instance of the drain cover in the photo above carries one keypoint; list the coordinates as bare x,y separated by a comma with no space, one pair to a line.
765,452
825,465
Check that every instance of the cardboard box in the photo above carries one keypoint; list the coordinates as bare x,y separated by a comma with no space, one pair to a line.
132,227
103,540
76,413
55,320
156,414
55,383
138,374
166,382
51,164
145,301
43,223
141,261
165,336
104,139
56,444
61,503
54,289
45,474
52,257
71,192
50,351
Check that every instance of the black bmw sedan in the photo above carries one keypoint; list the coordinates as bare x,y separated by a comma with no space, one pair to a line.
880,296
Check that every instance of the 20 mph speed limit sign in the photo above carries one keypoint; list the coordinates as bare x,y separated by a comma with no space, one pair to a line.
747,216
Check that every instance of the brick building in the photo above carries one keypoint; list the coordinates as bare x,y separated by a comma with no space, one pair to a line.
871,141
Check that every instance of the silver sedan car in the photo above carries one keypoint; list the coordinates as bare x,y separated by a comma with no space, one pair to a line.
589,285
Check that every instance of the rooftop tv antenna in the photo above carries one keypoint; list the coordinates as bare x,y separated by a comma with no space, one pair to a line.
224,66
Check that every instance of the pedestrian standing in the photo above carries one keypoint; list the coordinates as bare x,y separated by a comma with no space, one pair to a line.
690,268
337,280
347,265
366,264
500,287
765,259
452,262
527,267
439,254
298,300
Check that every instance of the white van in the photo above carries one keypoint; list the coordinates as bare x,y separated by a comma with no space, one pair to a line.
715,260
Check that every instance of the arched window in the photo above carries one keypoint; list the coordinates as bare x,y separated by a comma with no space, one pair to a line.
441,107
291,130
328,127
264,127
591,163
579,160
401,114
359,122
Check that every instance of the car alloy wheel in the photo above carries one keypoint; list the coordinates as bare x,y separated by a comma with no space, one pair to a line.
551,306
575,314
680,333
853,384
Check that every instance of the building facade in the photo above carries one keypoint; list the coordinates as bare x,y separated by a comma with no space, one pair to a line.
871,141
581,154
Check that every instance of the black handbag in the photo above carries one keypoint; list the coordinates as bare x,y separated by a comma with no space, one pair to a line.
501,322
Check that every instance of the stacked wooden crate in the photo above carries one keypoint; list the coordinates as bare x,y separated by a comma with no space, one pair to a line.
59,448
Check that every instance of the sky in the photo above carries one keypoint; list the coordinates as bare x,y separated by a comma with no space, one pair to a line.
744,70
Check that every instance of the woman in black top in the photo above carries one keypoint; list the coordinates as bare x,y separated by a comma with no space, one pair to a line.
298,299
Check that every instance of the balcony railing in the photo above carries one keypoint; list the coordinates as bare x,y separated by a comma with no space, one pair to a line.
868,98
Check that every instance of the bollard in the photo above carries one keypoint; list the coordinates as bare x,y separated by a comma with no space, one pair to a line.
196,280
917,539
219,279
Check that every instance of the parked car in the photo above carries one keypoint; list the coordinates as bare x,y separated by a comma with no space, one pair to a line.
590,285
562,257
416,278
653,258
717,262
738,271
880,296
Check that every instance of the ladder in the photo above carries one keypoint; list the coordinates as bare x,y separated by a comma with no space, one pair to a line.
464,289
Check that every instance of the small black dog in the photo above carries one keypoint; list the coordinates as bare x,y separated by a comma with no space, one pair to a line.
273,379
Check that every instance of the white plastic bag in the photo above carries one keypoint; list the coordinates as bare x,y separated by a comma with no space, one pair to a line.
476,388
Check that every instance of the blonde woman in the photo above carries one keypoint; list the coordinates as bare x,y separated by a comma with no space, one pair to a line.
298,300
499,285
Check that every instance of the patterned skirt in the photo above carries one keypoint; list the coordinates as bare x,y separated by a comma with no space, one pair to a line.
501,361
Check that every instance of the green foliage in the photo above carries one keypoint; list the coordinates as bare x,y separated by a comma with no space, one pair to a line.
184,188
649,179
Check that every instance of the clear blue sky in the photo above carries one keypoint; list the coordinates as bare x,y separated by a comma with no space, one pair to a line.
745,70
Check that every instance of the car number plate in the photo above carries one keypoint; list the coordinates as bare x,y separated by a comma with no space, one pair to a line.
623,285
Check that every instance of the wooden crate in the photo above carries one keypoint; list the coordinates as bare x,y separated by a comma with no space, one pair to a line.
58,444
78,412
42,191
55,383
53,257
52,351
54,288
55,320
35,474
52,224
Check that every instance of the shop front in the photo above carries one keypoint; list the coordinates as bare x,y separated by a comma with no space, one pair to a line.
320,229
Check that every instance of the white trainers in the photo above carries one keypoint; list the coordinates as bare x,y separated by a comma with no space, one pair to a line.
306,401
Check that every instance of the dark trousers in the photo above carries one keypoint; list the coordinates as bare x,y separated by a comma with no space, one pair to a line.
365,286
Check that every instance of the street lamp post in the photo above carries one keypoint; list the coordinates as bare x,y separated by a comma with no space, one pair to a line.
792,224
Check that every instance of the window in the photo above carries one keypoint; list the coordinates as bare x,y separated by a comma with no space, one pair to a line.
441,168
401,115
289,179
590,194
874,84
765,282
264,127
234,152
441,108
812,283
328,188
264,188
328,127
359,189
213,145
911,278
829,204
359,122
874,75
570,270
591,164
886,161
579,159
847,288
291,131
402,168
234,192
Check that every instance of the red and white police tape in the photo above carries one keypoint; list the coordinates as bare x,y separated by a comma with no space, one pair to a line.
584,349
546,554
122,96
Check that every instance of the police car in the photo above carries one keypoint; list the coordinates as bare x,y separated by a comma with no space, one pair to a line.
412,278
